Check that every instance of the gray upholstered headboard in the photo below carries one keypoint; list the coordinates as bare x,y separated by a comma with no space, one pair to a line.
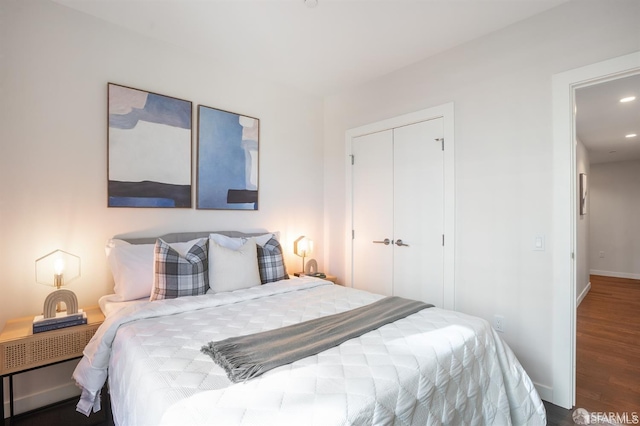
178,237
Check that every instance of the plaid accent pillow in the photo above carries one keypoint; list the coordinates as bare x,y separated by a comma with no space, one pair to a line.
271,262
177,275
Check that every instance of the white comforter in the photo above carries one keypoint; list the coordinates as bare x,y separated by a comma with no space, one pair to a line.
433,367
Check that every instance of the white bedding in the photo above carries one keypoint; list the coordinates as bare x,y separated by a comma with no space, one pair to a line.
433,367
111,303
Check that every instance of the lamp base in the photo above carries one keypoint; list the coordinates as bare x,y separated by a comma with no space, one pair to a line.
65,296
312,267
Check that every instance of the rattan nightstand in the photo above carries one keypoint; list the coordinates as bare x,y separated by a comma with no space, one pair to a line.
21,350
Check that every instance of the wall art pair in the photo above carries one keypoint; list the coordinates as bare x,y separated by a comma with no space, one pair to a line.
150,153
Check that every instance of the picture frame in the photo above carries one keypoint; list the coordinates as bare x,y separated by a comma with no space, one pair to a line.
583,194
149,149
228,160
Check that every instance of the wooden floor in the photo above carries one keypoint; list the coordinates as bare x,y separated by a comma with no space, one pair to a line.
64,414
61,414
608,346
607,351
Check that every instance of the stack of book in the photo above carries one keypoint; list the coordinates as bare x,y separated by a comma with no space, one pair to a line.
61,320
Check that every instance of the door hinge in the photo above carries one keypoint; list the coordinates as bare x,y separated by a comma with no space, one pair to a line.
353,234
443,240
353,159
573,256
441,141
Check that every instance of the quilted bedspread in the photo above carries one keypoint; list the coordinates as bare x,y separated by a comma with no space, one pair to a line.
431,368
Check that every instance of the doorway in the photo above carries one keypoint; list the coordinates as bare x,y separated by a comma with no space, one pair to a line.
608,228
564,217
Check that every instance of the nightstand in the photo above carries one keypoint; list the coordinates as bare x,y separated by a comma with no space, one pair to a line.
21,350
332,278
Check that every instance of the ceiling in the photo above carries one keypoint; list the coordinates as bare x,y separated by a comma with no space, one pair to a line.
602,121
322,50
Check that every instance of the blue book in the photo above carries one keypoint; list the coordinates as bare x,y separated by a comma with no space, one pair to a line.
57,326
61,317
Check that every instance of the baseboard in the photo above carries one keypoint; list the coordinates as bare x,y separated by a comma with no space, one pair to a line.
583,294
615,274
545,392
40,399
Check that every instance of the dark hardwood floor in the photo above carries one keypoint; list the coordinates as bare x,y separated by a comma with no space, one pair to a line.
558,416
607,353
64,414
60,414
608,346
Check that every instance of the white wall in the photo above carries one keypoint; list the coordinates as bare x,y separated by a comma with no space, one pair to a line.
501,87
55,65
615,219
582,225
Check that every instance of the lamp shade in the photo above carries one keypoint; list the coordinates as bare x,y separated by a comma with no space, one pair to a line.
57,268
303,246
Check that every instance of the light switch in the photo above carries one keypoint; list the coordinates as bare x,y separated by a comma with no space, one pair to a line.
538,242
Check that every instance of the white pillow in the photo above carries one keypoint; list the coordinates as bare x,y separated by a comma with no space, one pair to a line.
234,243
132,267
231,270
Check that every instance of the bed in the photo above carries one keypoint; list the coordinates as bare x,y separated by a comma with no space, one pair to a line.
431,367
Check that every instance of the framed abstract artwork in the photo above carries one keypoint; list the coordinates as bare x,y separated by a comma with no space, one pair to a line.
149,149
583,194
227,176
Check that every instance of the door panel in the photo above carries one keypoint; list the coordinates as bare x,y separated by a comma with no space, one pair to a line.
398,194
419,212
373,212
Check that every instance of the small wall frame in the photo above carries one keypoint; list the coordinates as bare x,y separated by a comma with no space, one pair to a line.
583,194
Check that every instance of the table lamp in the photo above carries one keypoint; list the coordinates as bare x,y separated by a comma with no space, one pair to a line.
303,247
57,269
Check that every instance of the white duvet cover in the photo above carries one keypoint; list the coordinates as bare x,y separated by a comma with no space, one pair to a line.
433,367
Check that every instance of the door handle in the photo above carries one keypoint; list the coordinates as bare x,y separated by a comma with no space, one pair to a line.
399,243
386,242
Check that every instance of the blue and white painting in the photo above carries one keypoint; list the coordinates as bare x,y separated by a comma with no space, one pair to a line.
227,160
149,149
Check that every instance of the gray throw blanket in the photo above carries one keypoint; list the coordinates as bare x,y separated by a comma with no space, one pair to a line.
246,357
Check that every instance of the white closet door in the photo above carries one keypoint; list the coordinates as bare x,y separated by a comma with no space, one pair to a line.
373,212
418,164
